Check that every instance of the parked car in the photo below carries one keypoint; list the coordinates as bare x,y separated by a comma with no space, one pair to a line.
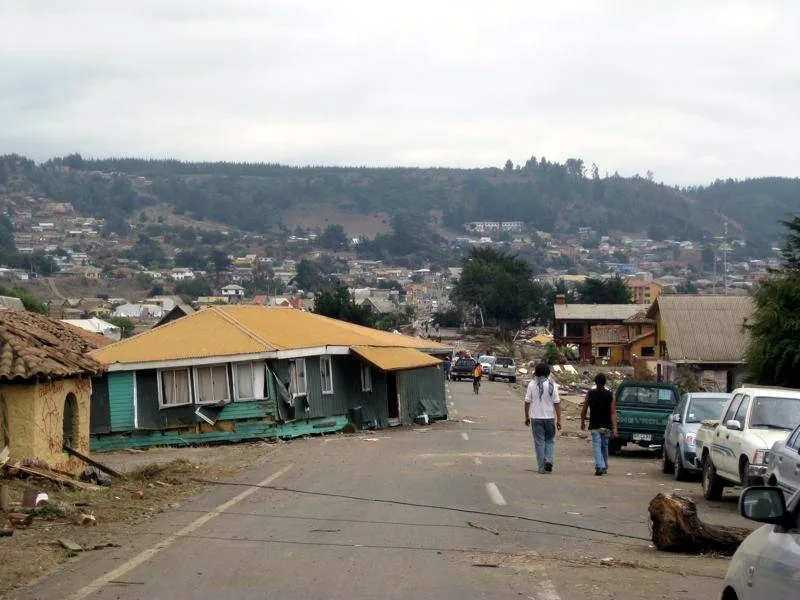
462,369
504,368
767,562
678,451
643,408
487,362
734,451
783,464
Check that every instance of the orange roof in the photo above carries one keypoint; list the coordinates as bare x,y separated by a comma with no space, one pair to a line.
240,330
395,359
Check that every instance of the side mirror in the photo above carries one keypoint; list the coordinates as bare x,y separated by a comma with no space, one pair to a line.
763,504
734,424
676,418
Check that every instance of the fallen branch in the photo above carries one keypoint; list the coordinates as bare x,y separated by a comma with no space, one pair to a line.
477,525
53,476
94,463
677,528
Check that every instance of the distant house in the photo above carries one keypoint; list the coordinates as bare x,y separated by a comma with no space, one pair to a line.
379,305
11,303
139,311
94,325
178,311
574,322
706,334
233,291
45,389
624,343
643,291
229,373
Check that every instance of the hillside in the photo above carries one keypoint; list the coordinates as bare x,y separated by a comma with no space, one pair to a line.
546,196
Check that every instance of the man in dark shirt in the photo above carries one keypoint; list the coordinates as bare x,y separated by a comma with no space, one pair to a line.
602,409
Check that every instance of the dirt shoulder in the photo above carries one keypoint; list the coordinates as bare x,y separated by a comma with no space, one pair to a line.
155,480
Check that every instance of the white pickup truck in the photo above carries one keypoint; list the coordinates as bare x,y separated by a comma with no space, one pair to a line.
735,450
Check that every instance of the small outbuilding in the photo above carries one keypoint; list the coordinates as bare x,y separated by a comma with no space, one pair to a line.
45,388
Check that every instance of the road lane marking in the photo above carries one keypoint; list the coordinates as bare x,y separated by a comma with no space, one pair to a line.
145,555
465,436
494,494
477,460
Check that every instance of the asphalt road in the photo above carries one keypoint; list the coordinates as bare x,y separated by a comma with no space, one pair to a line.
451,510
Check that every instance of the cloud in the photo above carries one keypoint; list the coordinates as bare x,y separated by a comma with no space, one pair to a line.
691,91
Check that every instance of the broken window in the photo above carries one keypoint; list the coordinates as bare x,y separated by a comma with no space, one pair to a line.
250,381
174,387
297,377
366,378
326,373
603,351
211,384
573,329
648,351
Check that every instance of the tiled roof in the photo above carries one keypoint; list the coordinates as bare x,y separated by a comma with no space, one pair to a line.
32,346
639,318
609,334
611,312
704,328
395,359
236,330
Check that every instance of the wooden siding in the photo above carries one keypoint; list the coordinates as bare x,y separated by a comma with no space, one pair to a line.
421,390
120,400
99,411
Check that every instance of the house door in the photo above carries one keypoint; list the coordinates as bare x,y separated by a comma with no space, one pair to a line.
392,399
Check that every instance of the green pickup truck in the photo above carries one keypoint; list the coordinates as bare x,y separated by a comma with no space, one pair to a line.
643,408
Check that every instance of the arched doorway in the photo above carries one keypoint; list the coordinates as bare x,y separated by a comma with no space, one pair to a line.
71,431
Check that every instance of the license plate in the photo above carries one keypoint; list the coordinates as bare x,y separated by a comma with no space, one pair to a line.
642,437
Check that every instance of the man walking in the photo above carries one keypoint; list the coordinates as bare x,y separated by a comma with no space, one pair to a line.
602,409
543,415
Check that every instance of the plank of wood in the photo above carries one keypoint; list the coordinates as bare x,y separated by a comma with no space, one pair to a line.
70,545
4,454
63,479
94,463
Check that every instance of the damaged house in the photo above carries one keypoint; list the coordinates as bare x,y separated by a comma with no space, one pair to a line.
229,373
45,388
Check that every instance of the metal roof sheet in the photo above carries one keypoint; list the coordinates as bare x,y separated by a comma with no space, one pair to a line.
246,329
395,359
704,329
611,312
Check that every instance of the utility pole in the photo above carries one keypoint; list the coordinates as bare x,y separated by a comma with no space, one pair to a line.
725,258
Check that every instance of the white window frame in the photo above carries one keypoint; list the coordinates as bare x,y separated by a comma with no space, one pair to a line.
325,361
294,380
366,378
254,367
161,403
197,391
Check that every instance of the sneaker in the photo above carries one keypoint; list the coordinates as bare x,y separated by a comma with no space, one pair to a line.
598,471
605,471
548,466
541,471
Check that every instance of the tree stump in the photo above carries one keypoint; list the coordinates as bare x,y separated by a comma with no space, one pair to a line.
676,528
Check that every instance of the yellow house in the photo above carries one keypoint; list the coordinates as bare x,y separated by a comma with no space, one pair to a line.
643,291
45,388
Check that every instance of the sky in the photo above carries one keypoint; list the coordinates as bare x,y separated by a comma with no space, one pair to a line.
691,91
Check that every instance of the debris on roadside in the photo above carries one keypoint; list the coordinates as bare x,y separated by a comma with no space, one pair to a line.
477,525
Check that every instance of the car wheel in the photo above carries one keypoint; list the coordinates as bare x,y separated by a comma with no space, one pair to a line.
746,479
667,466
678,471
712,486
491,378
513,380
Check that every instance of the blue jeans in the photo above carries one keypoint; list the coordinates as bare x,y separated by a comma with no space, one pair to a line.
544,441
600,448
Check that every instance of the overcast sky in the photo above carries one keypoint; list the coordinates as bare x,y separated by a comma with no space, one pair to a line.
691,90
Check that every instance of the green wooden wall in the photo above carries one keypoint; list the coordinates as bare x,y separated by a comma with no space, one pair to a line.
120,400
422,390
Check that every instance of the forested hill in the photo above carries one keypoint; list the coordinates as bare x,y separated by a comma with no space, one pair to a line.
549,196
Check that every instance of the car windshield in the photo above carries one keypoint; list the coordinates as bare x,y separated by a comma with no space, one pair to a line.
504,362
646,396
701,409
775,413
486,359
465,362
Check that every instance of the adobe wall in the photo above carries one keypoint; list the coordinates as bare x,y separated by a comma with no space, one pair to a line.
36,421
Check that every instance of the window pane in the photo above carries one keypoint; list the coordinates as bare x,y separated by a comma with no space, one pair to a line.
205,385
175,387
301,376
219,378
327,375
244,380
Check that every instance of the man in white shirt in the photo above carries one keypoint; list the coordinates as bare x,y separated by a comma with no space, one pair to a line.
543,415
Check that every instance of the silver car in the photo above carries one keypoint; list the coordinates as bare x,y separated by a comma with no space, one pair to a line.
783,464
504,368
487,362
678,452
766,564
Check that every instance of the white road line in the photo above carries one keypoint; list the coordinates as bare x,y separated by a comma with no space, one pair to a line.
494,494
465,436
477,460
145,555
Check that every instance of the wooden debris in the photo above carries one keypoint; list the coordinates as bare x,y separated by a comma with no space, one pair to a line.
134,450
4,502
70,545
4,454
55,477
94,463
19,520
84,519
677,528
163,483
137,495
477,525
6,532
